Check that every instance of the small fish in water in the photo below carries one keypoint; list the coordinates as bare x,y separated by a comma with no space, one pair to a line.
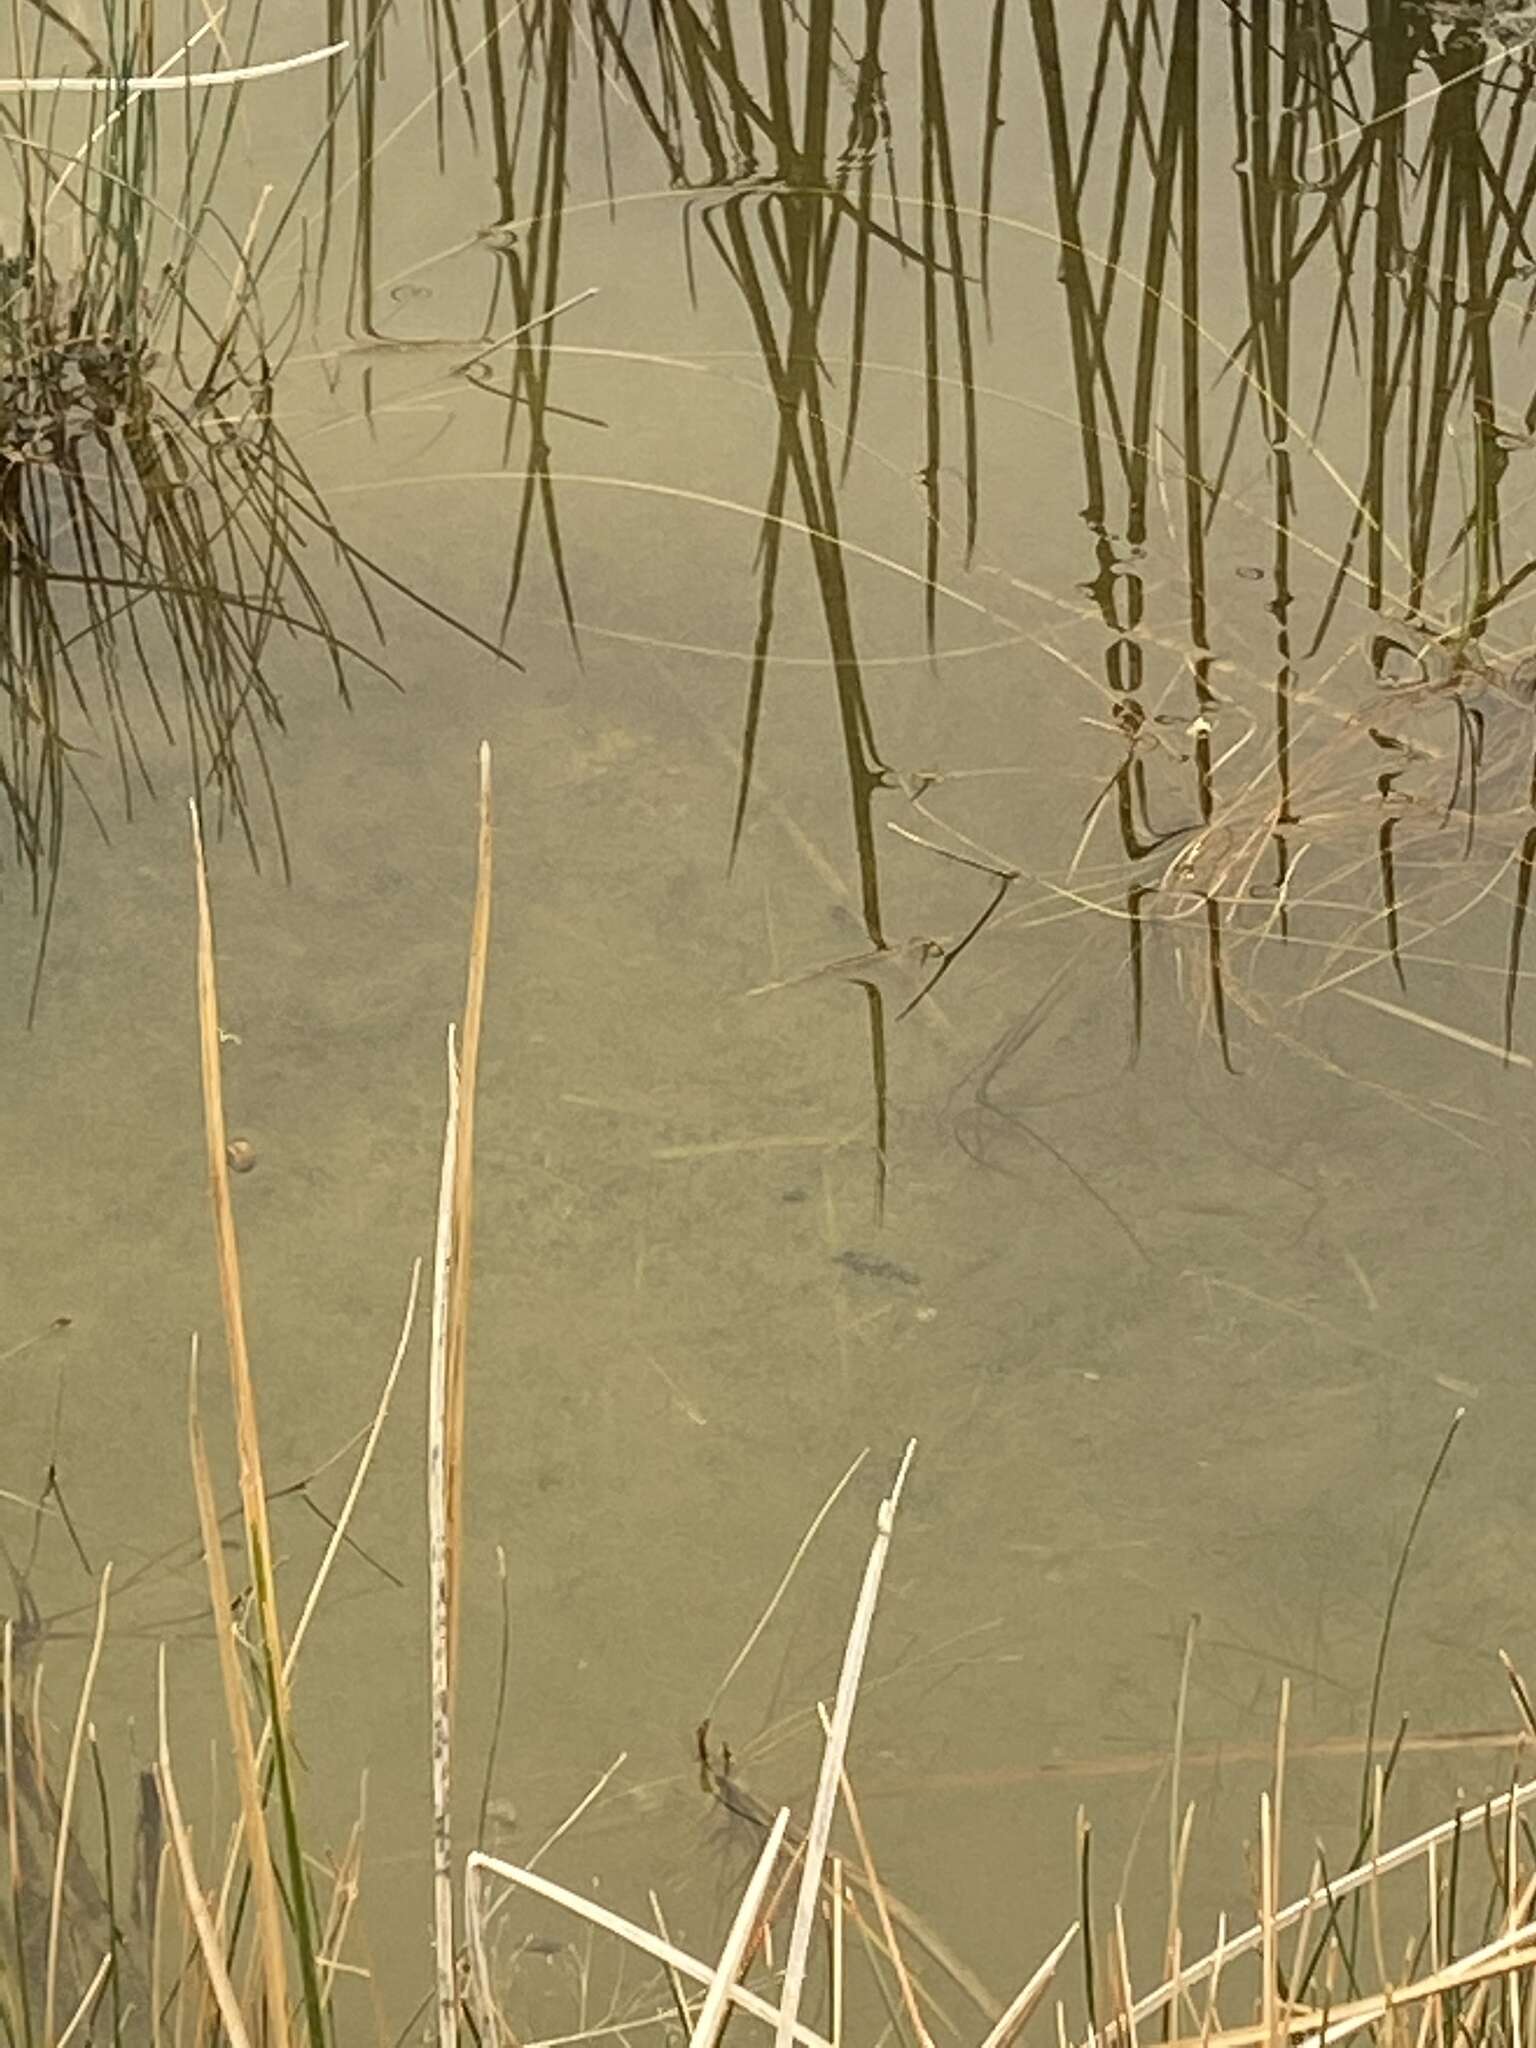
870,1266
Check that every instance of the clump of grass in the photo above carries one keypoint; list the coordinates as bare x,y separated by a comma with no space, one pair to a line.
152,509
159,529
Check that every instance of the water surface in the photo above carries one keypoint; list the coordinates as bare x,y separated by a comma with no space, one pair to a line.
1175,1219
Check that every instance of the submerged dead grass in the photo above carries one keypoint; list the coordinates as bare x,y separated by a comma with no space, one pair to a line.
1432,1940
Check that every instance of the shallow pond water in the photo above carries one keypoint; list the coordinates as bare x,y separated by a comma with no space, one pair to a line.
1087,1041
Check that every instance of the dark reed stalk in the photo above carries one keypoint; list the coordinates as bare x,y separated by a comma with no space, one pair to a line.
1083,315
117,1950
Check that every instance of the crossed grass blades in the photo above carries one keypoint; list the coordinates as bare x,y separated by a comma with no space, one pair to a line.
110,1942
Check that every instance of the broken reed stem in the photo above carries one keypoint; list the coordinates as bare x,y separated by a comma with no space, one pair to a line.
1267,1908
1471,2022
446,1409
441,1570
825,1803
1120,1981
1025,2000
1177,1820
87,1999
12,1822
463,1212
837,1945
682,2006
1272,1815
1208,2019
1306,2028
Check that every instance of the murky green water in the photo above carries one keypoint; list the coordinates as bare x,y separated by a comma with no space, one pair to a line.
1173,1221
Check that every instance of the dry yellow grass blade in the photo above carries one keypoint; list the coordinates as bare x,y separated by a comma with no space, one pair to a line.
1309,2028
463,1203
269,1919
441,1573
87,1999
781,1588
253,1496
209,1946
346,1889
343,1522
67,1806
338,1537
1024,2001
830,1778
1437,1025
1469,1823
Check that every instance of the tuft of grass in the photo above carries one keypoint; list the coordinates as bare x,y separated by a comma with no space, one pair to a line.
159,528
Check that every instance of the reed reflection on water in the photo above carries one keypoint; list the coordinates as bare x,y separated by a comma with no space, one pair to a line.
1129,875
